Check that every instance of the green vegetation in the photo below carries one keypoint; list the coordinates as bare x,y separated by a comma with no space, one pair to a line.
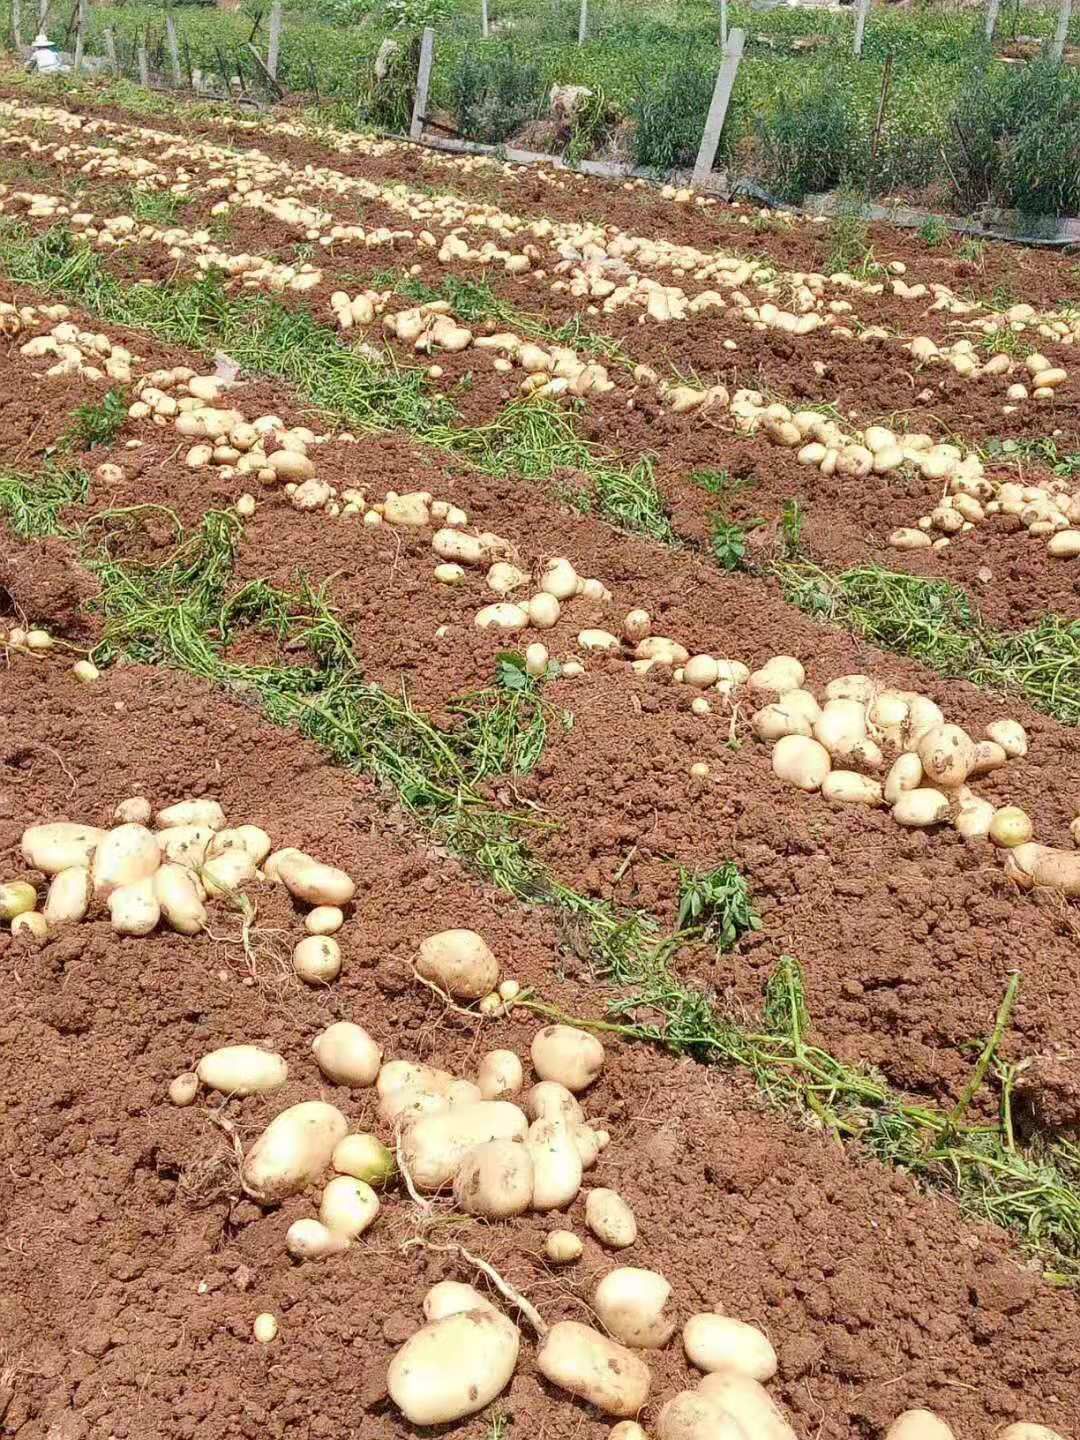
35,508
933,232
729,540
718,903
101,423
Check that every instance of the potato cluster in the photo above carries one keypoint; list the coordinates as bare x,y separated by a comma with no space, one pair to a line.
81,352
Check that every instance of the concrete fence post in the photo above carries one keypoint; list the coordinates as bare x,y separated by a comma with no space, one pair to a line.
583,23
1061,34
991,18
174,49
860,25
273,47
714,122
423,83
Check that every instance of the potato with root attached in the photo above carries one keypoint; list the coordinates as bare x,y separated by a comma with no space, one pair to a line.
557,1164
459,962
242,1070
748,1403
719,1342
918,1425
610,1219
579,1359
61,845
690,1416
773,722
178,896
570,1056
453,1367
124,856
293,1151
309,1239
451,1297
185,844
433,1147
630,1305
495,1180
347,1054
364,1157
348,1206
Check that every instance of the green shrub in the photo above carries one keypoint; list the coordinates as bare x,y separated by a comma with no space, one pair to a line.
495,93
808,143
670,114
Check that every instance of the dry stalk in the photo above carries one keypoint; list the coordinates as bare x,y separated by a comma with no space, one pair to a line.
504,1287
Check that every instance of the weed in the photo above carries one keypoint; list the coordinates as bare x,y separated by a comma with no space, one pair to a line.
720,483
670,113
153,207
494,92
101,423
973,251
849,239
1004,341
718,904
729,541
933,232
791,527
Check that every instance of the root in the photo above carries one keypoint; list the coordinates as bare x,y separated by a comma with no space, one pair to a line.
505,1289
450,1004
424,1205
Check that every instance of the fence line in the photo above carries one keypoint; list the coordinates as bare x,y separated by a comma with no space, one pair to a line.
714,122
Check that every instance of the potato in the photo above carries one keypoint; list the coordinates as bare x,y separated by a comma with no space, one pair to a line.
265,1327
364,1157
782,672
557,1165
630,1305
700,671
347,1054
804,702
922,716
587,1364
588,1143
690,1416
852,687
293,1151
848,787
748,1404
59,846
69,896
773,722
459,962
317,959
310,1240
123,857
406,1088
184,1088
610,1219
1010,826
801,761
559,579
185,844
551,1101
495,1180
135,811
887,716
918,1425
570,1056
1012,737
451,544
948,755
905,774
30,922
254,841
434,1146
920,808
313,881
662,650
451,1297
562,1247
242,1070
988,756
133,909
17,898
718,1342
1026,1430
636,625
627,1430
192,812
348,1206
974,816
840,726
453,1367
1036,865
499,1074
178,897
502,616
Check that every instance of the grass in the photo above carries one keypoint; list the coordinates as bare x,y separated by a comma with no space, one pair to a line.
153,207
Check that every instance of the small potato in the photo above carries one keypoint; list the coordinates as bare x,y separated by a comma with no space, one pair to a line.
551,1101
589,1143
459,963
906,774
453,1367
124,856
495,1180
782,672
192,812
313,881
499,1074
364,1157
948,755
133,909
317,960
974,816
587,1364
293,1151
562,1247
610,1219
630,1305
1026,1430
557,1165
773,722
920,808
178,896
17,898
242,1070
988,756
136,811
265,1328
636,625
324,920
718,1342
30,922
801,762
59,846
309,1239
570,1056
918,1425
451,1297
347,1055
1012,737
1010,826
409,1089
748,1404
627,1430
690,1416
348,1206
184,1088
434,1146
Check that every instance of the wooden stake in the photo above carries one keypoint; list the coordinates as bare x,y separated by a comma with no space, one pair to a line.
714,122
484,28
16,26
144,65
273,45
1061,34
886,83
423,83
991,18
860,25
110,52
174,49
583,23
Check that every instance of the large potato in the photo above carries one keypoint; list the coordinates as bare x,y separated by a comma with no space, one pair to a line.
453,1367
495,1180
242,1070
748,1403
718,1342
579,1359
630,1305
124,856
948,755
293,1151
571,1057
347,1054
459,962
801,761
433,1147
313,881
557,1164
59,846
920,1425
690,1416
